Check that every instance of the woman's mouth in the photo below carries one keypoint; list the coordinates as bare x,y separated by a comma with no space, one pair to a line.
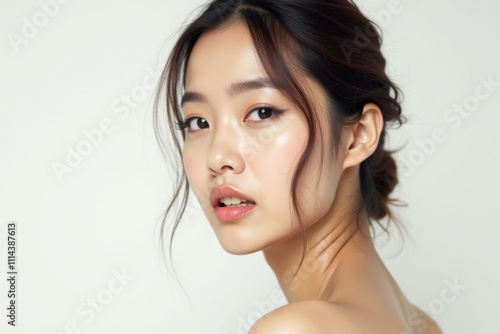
230,204
234,201
233,212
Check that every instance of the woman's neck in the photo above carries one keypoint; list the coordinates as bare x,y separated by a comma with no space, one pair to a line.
313,279
330,241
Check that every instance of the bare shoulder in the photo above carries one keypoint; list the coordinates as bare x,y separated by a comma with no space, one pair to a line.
320,317
311,317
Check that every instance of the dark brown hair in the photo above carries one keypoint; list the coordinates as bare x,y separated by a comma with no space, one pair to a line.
330,41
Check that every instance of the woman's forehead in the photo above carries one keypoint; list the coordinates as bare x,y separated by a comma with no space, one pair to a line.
224,53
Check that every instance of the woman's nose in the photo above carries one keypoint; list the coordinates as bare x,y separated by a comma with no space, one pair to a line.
225,151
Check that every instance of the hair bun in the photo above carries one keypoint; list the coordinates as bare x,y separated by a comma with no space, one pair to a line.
385,173
378,173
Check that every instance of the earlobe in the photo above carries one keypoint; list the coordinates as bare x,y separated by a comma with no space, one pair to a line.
364,136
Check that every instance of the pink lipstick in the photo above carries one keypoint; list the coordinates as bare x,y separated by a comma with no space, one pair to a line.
229,212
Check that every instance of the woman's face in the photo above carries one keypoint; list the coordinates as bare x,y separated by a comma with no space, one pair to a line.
236,139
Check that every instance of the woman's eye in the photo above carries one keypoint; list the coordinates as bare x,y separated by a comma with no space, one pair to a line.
258,114
193,124
261,113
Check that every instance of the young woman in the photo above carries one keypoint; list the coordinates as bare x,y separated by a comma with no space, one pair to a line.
282,108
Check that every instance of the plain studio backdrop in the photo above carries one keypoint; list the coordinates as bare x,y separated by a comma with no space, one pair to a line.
87,256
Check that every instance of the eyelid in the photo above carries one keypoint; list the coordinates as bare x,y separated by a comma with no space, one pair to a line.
184,123
276,112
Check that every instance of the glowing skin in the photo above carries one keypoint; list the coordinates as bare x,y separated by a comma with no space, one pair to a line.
258,157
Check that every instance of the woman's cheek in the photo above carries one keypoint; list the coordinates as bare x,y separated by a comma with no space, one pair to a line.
274,167
193,166
188,162
281,154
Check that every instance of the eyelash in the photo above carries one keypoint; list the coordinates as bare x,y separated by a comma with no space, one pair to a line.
184,124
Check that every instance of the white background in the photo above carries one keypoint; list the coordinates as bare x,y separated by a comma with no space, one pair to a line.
76,234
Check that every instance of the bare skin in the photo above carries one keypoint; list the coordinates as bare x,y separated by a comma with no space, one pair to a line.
343,286
342,280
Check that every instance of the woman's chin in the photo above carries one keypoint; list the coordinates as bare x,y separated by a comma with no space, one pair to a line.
239,249
237,246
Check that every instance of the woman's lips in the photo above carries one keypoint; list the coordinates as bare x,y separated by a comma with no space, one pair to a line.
219,192
233,212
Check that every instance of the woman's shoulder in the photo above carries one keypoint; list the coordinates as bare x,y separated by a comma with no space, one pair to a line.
320,317
309,317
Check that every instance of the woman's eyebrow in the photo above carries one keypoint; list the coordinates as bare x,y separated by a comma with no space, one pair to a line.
235,89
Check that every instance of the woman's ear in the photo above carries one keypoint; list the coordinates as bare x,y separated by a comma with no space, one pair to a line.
363,137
